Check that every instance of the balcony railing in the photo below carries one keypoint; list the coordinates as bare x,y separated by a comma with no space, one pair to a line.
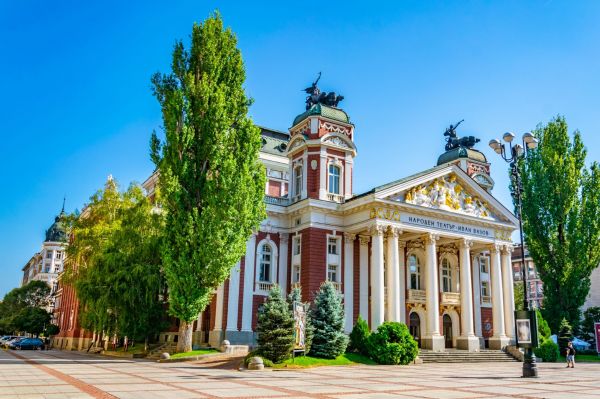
296,285
450,298
486,299
337,286
282,201
335,197
416,296
263,286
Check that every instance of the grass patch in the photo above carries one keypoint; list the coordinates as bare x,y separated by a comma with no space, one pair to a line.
582,358
308,361
193,353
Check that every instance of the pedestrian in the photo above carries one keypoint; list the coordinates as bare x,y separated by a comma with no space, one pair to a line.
570,352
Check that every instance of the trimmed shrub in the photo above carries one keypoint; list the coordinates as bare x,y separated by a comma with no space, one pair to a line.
358,337
547,351
392,344
254,353
275,328
327,317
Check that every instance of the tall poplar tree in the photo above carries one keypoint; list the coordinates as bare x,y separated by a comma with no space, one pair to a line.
561,219
211,180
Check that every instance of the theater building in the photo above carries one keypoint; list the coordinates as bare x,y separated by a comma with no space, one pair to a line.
431,250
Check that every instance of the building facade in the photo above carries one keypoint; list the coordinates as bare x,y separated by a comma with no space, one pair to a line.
535,287
431,250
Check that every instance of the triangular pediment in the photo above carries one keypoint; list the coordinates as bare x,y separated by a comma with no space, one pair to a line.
448,189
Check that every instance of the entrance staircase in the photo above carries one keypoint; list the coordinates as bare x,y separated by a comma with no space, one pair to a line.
169,347
461,356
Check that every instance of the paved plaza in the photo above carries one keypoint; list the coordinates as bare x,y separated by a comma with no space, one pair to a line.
55,374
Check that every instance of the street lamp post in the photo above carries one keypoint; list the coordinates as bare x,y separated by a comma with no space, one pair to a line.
512,154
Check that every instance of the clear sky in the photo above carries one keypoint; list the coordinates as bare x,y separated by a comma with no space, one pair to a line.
76,103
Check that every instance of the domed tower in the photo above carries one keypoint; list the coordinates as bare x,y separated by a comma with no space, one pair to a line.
321,149
57,232
459,151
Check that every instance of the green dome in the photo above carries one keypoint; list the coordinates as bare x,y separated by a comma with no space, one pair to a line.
57,232
328,112
461,152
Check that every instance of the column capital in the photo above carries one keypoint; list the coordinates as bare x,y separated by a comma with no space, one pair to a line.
364,240
495,248
377,229
401,244
393,232
431,238
349,237
284,237
466,243
507,249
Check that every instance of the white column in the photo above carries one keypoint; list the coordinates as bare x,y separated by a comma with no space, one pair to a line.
392,312
508,291
199,323
467,339
219,312
433,339
348,177
323,175
476,298
248,284
377,283
283,262
349,280
363,304
499,339
402,281
232,298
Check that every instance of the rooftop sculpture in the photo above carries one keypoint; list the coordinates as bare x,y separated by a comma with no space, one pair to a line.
315,96
453,141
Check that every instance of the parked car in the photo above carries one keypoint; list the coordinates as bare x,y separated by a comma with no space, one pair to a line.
27,343
10,340
7,338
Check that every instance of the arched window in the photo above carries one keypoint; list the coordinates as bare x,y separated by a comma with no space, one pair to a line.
414,269
266,259
298,180
446,276
334,179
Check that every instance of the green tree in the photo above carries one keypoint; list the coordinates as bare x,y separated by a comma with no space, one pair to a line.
359,336
565,334
309,329
561,219
114,263
518,294
275,327
21,307
590,316
211,180
32,320
327,316
51,329
544,332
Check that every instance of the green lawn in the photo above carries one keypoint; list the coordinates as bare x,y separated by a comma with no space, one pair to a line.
193,353
582,358
309,361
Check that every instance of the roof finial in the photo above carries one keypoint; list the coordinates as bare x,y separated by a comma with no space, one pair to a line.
63,207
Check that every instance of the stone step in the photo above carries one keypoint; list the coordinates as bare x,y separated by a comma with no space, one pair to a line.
454,356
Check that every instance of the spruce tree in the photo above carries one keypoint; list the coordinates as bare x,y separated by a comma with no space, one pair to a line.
565,335
309,330
327,317
359,336
211,181
275,327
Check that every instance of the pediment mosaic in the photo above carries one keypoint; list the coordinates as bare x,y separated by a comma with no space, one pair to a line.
446,193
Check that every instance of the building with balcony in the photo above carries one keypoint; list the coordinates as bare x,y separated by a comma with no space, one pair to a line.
431,250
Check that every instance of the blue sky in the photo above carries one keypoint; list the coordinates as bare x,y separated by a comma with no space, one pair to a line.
76,103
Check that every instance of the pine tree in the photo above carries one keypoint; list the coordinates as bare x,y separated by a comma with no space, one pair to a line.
359,336
561,219
275,327
565,335
211,180
327,317
309,329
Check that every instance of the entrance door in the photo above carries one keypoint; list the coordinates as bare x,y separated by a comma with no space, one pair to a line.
206,323
415,327
448,330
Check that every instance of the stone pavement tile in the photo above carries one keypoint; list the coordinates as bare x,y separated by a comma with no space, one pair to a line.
132,387
325,389
369,386
242,392
209,385
158,395
291,384
446,394
375,395
566,394
504,390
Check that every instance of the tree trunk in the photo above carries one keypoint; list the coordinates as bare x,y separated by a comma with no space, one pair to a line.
184,343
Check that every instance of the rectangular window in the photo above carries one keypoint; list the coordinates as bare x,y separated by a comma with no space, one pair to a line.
332,246
296,244
58,255
298,180
295,274
332,273
47,268
49,254
484,262
334,179
485,291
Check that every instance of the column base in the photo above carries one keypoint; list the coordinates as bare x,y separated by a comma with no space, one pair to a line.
215,337
499,342
241,337
468,343
435,343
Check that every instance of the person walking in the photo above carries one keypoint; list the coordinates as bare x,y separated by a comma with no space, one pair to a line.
570,352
